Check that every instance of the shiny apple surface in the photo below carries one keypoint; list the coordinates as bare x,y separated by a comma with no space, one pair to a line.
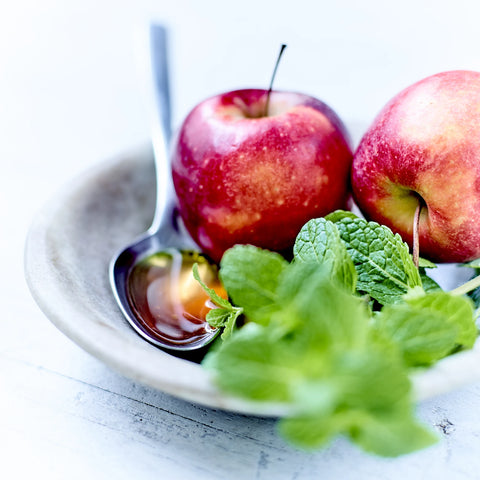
245,178
424,146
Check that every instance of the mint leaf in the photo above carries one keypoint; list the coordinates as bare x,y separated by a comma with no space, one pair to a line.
371,406
254,365
226,315
428,283
319,242
424,263
428,327
312,431
473,264
385,436
326,314
226,318
384,265
422,337
338,215
458,309
217,299
218,317
250,276
393,435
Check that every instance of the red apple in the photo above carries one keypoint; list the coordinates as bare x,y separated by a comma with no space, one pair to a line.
245,177
424,146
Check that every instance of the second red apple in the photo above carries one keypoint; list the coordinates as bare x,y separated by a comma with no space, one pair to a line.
245,177
424,149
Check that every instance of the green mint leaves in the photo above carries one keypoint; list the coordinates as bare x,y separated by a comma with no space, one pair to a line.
429,327
334,333
384,265
225,315
252,288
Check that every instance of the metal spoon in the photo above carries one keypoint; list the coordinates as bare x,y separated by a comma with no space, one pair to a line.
151,278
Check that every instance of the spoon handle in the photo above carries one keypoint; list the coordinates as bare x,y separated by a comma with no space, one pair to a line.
161,127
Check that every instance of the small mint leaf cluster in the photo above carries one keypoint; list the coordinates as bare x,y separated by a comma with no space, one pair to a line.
225,315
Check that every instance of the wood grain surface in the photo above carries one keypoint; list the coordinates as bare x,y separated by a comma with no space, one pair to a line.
65,415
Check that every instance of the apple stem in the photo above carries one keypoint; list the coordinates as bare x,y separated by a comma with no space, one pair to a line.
267,103
416,236
467,287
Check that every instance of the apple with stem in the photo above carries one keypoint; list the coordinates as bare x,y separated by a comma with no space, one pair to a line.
420,159
252,166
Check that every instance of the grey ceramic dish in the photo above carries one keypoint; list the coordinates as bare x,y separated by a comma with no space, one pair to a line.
68,251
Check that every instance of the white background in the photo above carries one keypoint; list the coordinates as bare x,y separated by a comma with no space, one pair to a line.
70,97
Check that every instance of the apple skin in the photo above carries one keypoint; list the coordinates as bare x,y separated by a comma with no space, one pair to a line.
425,144
245,178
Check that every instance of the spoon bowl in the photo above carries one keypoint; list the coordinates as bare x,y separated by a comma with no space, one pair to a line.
152,294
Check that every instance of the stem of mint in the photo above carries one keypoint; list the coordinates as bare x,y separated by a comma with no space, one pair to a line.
467,287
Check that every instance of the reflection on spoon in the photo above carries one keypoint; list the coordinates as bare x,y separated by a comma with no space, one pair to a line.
168,301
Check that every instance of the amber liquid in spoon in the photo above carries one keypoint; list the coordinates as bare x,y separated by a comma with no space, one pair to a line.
168,301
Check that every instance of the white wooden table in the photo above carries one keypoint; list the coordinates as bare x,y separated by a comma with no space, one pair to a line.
69,98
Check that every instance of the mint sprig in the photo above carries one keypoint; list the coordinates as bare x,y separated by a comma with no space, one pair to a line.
226,315
317,352
312,340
